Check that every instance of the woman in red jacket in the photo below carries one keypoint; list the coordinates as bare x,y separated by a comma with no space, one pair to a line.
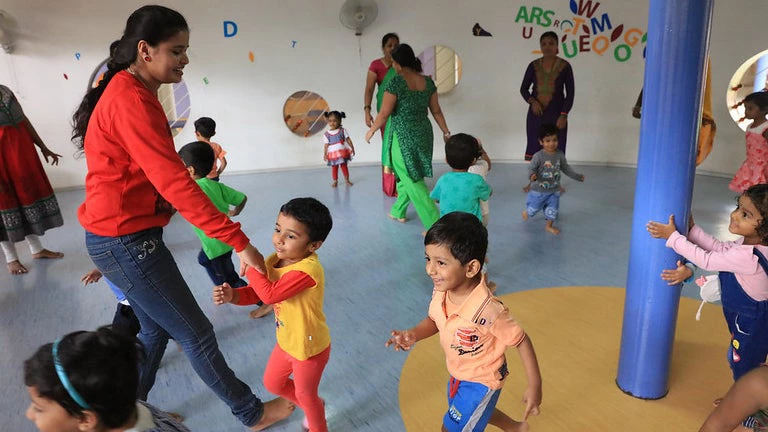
135,181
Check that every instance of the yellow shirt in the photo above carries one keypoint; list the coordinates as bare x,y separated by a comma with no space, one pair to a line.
301,329
475,335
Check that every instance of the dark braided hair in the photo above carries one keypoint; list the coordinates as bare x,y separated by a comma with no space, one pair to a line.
153,24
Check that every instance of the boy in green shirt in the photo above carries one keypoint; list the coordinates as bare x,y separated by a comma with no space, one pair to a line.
216,256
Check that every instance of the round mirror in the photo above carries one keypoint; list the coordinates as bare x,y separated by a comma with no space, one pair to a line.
443,65
750,77
303,113
174,99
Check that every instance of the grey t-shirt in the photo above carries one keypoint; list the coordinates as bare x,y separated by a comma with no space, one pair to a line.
547,167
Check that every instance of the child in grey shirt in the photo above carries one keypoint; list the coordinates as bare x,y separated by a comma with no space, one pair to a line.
544,172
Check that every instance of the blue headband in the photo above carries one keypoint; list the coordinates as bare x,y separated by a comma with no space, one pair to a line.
64,380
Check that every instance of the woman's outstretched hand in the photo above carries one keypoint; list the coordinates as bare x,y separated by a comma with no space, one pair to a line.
251,257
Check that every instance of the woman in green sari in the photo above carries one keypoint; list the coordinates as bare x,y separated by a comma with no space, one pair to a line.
380,72
408,135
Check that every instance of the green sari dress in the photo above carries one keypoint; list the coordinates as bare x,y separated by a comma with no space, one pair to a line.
409,140
387,173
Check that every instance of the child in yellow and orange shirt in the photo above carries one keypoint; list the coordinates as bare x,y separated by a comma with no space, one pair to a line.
294,284
475,329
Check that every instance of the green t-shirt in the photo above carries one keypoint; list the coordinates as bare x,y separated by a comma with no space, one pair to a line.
222,196
461,191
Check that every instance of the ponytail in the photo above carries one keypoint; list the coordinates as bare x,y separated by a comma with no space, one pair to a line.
153,24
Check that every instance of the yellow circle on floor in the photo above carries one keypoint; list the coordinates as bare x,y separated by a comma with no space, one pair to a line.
576,332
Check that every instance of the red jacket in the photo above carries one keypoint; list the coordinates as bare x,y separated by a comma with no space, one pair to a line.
135,177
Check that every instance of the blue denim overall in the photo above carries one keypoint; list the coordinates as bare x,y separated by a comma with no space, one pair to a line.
747,321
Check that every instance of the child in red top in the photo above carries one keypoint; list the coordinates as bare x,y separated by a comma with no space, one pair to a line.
205,129
475,329
294,284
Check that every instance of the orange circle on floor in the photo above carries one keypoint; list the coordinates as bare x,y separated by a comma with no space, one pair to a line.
576,332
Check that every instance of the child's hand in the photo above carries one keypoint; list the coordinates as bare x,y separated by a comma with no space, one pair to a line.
325,156
92,276
222,294
678,275
660,230
532,401
533,177
402,340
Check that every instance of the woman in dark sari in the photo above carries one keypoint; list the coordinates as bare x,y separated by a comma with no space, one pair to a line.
551,98
380,72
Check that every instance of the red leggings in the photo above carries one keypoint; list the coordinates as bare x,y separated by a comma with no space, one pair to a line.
302,389
335,171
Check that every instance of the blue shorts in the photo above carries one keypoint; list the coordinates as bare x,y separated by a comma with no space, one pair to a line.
547,201
470,405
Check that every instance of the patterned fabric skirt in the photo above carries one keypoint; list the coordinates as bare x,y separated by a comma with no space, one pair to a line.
27,202
339,154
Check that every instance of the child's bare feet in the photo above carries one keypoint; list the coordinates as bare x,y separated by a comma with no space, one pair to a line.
349,183
274,411
551,229
335,183
525,215
261,311
506,423
16,268
46,254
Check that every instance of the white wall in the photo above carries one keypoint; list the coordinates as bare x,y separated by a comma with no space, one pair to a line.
246,99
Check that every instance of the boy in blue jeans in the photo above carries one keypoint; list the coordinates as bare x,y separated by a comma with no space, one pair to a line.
216,256
544,172
475,329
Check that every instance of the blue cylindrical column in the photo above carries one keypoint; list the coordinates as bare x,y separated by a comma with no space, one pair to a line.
678,40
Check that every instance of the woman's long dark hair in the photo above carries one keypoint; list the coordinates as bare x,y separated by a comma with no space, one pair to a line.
403,54
153,24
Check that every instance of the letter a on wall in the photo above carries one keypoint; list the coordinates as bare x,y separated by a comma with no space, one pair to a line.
230,29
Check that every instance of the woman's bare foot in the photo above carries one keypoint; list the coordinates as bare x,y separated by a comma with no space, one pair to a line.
16,268
525,215
261,311
401,220
334,184
349,183
46,254
551,229
274,411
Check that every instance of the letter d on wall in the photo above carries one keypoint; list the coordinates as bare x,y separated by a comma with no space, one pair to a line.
230,29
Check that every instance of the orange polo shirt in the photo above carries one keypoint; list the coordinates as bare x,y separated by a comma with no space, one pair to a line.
475,335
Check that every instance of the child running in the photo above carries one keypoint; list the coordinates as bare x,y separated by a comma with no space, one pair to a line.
216,256
87,381
743,279
205,129
338,148
460,190
544,173
754,170
475,329
294,284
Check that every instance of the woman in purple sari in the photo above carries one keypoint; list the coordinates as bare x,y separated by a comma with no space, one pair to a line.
551,98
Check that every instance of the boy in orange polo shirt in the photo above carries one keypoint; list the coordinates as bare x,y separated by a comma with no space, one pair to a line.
475,329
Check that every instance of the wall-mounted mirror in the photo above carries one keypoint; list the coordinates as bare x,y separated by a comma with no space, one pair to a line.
443,65
174,99
750,77
303,113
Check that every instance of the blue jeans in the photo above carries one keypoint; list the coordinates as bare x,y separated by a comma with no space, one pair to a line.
549,201
143,268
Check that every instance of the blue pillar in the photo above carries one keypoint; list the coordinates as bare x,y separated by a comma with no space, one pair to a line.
678,41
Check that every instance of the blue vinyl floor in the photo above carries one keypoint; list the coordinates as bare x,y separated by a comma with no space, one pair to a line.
375,282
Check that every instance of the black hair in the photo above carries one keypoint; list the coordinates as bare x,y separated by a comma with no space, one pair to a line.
758,98
403,54
758,194
338,114
312,214
153,24
101,365
461,151
199,155
463,234
549,34
389,36
547,129
206,127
